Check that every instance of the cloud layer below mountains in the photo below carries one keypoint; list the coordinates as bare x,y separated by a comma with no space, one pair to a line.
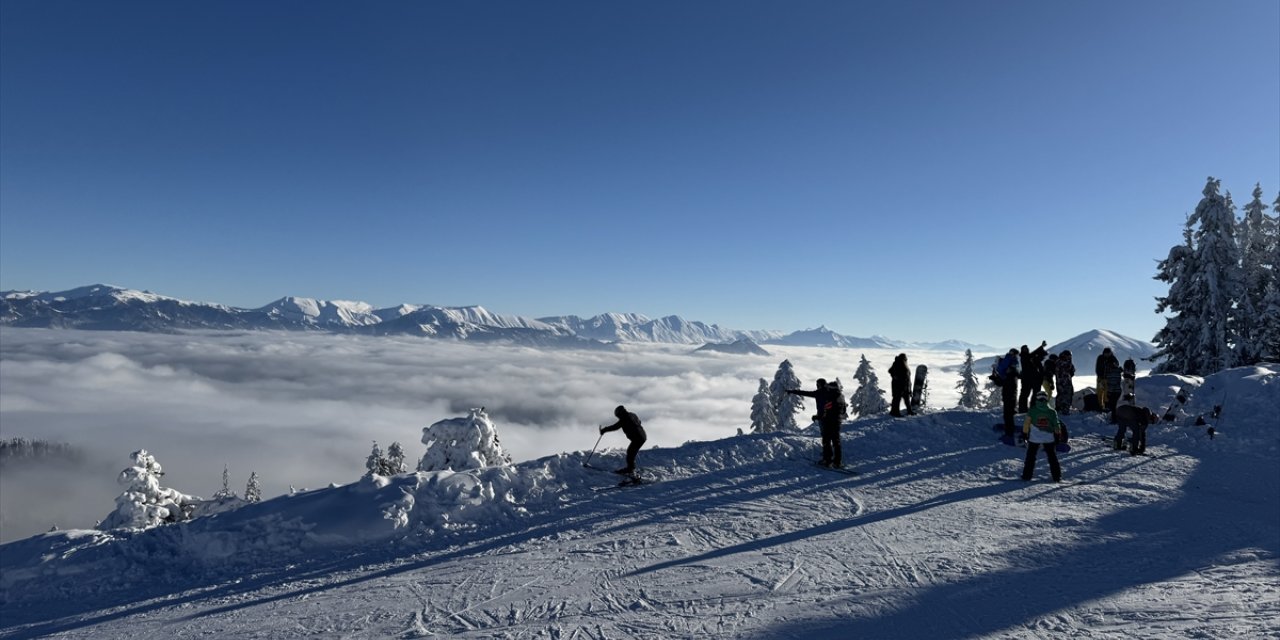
303,409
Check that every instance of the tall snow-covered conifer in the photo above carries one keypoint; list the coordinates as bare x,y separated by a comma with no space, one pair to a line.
868,398
1269,331
763,418
1204,289
786,405
970,391
1254,234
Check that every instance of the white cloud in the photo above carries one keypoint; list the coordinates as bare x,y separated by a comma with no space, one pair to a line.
302,409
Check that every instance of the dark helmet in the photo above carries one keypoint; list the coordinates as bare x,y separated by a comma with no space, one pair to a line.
621,411
822,382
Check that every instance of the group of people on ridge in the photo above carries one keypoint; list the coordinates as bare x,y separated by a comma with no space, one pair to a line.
1043,376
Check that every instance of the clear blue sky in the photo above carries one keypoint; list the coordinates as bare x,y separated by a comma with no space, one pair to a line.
996,171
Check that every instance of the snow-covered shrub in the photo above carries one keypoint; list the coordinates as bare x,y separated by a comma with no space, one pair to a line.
144,502
385,464
462,443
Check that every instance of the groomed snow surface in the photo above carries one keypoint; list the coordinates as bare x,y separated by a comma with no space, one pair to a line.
743,537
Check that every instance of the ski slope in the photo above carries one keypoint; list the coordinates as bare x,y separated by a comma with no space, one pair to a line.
742,537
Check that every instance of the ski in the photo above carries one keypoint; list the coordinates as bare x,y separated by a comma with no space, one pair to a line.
1033,480
629,482
845,470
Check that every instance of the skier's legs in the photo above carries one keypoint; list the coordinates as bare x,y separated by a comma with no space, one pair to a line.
1029,466
831,440
632,450
1054,469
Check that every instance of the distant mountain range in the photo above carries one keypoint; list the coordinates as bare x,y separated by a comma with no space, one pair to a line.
106,307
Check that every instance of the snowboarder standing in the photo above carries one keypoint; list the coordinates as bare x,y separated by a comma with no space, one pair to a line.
631,427
1066,388
831,408
900,384
1102,368
1041,427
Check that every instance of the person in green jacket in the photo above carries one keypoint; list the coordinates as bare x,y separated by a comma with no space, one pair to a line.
1041,428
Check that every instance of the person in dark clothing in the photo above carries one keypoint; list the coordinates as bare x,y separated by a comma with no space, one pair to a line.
1032,373
900,385
1066,388
1102,368
1130,417
830,416
630,425
1006,375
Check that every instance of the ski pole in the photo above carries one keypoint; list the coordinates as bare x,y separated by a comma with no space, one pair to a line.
593,450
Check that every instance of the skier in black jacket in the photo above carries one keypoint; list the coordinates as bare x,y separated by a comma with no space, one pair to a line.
630,425
830,416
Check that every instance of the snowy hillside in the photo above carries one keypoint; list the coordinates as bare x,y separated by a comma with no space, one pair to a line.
741,537
740,347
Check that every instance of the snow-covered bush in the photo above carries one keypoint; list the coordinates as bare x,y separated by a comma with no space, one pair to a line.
462,443
144,502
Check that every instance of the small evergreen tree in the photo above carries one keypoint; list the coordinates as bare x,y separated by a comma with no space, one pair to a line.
252,489
868,398
376,463
144,502
225,492
970,391
395,459
763,418
462,443
786,405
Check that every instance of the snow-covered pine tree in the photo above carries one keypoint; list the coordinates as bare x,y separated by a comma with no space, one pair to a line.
970,391
868,398
376,463
252,488
1269,334
1254,235
395,460
1179,336
763,418
1202,331
144,502
225,492
462,443
786,405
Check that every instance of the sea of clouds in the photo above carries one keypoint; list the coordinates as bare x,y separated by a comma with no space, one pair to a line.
303,409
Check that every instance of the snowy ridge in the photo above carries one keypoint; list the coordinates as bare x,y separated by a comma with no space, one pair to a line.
741,537
336,313
113,308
